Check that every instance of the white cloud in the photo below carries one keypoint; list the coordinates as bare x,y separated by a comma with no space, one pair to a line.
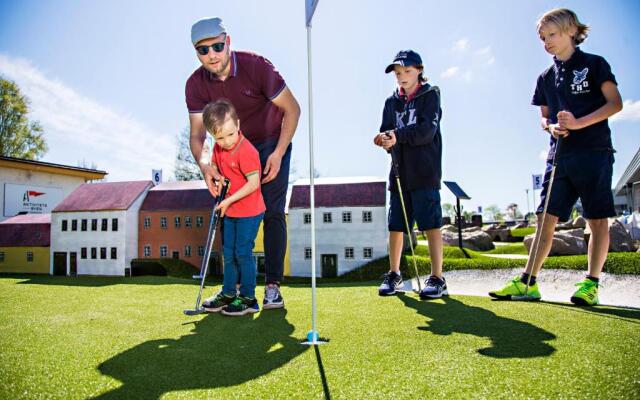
461,45
468,75
450,72
88,130
630,112
483,51
543,154
491,60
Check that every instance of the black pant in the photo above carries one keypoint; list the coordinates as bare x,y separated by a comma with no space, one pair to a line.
274,232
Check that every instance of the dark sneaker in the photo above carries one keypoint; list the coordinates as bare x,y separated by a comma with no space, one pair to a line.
217,302
391,284
272,297
434,288
242,306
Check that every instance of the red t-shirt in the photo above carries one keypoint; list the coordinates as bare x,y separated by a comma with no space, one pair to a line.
251,86
236,164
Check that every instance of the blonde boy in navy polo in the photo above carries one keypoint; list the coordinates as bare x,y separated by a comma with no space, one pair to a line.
576,95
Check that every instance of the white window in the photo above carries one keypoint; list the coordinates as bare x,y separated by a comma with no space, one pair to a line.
367,252
366,216
29,256
326,217
163,251
348,253
187,222
346,217
147,251
307,253
199,221
307,218
163,222
176,222
187,251
147,222
201,251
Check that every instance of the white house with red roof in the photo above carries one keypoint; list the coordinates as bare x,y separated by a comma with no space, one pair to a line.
94,230
351,224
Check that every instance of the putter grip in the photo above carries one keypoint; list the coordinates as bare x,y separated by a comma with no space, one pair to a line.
223,192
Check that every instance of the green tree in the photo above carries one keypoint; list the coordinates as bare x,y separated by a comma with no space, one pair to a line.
493,213
186,168
19,138
448,210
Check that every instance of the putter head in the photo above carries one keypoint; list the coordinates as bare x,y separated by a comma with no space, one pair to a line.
194,312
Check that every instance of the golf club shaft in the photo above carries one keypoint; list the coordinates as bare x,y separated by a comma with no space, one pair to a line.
213,225
539,232
404,213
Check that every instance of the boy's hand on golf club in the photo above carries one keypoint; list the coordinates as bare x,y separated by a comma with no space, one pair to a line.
222,206
211,178
388,140
557,132
567,121
377,140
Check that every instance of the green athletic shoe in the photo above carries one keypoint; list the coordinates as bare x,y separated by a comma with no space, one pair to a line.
587,293
218,302
515,289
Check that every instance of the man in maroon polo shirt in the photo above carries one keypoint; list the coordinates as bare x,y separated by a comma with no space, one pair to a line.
268,114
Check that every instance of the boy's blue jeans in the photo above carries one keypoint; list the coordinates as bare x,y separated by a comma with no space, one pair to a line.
239,237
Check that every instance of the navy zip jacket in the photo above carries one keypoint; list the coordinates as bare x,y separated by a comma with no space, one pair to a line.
418,151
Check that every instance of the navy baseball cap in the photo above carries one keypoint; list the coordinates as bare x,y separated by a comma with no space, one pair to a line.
207,28
404,58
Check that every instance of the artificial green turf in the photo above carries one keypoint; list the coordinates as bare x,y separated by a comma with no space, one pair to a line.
511,248
120,338
522,232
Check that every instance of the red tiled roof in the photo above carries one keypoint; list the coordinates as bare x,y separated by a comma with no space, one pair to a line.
29,219
25,234
340,195
103,196
186,199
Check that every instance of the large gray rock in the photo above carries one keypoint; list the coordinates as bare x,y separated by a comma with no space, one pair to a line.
619,239
473,238
499,234
565,243
579,222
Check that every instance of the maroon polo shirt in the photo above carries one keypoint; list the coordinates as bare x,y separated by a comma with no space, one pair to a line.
251,86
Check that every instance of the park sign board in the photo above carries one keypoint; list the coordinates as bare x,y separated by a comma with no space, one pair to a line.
30,199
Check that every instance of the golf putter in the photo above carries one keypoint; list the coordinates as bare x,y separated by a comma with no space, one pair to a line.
554,163
396,173
214,222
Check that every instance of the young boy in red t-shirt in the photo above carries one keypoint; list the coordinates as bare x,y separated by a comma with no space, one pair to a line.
242,210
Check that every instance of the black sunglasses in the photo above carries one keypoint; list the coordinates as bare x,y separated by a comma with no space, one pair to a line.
217,47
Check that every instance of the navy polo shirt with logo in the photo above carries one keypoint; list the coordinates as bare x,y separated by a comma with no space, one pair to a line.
575,85
251,86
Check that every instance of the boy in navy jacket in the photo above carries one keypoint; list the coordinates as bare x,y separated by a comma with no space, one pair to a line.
410,130
576,96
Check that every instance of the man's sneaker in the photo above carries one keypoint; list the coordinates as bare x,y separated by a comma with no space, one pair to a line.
515,288
272,297
587,293
242,306
434,288
391,284
217,302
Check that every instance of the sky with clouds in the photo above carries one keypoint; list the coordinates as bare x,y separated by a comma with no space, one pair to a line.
106,80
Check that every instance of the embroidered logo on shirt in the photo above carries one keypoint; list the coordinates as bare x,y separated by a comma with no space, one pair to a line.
580,83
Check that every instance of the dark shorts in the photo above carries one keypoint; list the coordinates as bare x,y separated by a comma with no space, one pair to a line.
586,176
423,208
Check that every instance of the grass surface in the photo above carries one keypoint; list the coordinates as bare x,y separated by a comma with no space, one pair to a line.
522,232
513,248
126,338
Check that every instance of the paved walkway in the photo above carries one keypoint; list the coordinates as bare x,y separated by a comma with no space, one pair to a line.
555,285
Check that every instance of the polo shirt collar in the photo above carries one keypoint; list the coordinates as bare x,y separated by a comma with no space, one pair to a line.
233,70
410,96
237,145
575,57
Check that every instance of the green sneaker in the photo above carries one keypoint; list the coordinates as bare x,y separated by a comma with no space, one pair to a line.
587,293
242,306
217,302
516,289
